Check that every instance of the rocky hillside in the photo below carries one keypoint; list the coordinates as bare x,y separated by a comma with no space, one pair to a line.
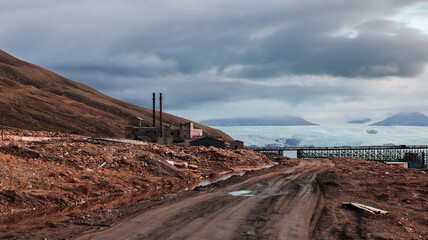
34,98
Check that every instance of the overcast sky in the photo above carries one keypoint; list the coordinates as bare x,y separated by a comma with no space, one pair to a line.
328,61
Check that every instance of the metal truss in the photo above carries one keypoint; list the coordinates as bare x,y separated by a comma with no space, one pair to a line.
370,153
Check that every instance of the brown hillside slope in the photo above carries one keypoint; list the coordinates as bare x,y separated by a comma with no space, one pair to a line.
34,98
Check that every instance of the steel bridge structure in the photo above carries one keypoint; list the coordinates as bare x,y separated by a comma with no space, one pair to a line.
410,153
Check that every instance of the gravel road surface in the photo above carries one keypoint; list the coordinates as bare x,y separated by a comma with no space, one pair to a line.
277,205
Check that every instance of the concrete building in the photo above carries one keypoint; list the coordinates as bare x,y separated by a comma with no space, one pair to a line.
168,141
208,142
169,136
175,134
236,144
188,132
149,134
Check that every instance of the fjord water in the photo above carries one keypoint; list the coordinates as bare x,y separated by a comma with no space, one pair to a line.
327,136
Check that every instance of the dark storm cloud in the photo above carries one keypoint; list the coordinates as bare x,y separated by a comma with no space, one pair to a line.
269,38
188,48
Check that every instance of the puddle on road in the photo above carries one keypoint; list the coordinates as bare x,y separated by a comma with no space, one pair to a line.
242,193
248,193
269,165
222,177
290,171
225,176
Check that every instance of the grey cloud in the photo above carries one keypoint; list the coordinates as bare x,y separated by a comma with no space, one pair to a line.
186,48
196,37
125,64
184,94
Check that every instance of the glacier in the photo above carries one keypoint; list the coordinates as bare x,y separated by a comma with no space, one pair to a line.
327,136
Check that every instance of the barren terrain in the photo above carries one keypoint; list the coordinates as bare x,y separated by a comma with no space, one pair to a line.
34,98
61,186
402,192
293,202
46,171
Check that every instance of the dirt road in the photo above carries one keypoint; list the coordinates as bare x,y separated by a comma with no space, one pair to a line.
277,205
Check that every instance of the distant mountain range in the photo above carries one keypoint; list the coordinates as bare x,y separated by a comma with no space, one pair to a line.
268,121
404,119
360,121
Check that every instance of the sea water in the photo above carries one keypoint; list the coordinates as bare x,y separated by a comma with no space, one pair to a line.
327,136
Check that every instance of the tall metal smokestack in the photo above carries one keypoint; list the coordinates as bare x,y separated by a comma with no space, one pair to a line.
160,113
154,109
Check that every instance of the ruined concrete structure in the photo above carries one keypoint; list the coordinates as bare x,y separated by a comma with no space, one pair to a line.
188,132
163,134
175,134
148,134
169,137
236,144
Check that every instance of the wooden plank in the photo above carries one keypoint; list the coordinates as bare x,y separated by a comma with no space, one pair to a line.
366,208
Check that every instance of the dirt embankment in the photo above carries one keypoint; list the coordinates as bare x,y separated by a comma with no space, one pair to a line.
69,170
402,192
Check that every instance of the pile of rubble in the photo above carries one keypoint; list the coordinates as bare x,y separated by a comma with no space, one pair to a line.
74,169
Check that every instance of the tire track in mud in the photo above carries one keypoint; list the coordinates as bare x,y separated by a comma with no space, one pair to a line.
285,216
278,205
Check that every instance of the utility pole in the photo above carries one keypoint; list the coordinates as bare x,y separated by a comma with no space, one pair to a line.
154,109
160,114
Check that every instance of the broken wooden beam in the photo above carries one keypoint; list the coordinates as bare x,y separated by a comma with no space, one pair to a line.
366,208
193,167
178,164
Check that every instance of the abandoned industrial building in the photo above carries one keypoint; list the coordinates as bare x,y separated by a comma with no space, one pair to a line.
188,132
186,135
148,134
163,134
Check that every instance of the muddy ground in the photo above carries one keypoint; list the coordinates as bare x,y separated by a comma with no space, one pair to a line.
301,201
296,199
66,224
43,172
